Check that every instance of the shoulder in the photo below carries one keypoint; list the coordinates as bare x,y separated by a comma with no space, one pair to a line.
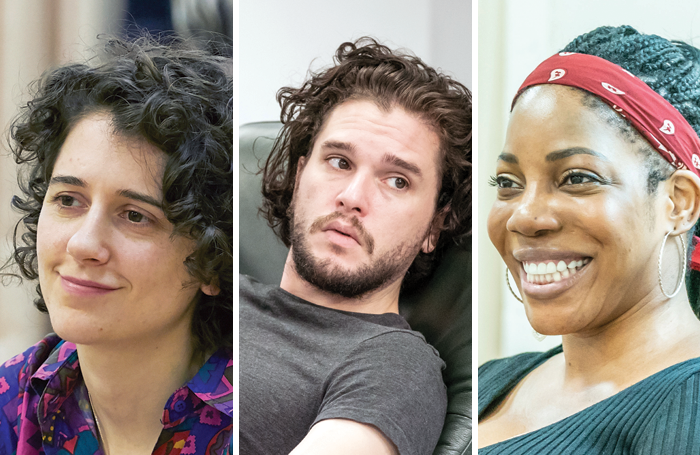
519,362
24,365
247,285
499,376
15,374
672,402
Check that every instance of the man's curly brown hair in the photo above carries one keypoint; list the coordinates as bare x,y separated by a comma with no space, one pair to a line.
368,70
177,98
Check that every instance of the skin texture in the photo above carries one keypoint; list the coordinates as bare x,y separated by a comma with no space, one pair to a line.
94,227
379,169
569,187
344,437
375,173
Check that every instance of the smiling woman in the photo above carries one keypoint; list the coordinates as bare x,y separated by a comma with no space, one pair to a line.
127,210
597,181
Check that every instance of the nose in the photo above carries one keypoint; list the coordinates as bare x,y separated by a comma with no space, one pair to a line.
534,213
355,195
88,244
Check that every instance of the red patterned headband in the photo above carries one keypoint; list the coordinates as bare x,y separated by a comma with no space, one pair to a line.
649,113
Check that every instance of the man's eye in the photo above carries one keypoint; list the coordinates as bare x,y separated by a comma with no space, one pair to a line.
135,217
398,182
339,163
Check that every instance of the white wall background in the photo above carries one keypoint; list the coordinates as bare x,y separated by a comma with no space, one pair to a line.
514,37
280,39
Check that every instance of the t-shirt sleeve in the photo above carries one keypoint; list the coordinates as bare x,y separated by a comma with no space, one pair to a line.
675,428
394,382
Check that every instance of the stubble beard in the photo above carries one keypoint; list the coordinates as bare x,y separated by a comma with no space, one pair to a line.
334,279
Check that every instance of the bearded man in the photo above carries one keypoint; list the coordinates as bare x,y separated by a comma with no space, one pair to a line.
367,183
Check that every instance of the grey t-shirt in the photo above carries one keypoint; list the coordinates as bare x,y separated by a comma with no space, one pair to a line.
301,363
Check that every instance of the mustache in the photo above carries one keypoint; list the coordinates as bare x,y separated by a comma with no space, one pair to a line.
320,222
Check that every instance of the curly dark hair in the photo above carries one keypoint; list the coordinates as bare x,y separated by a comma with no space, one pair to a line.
177,98
671,69
365,69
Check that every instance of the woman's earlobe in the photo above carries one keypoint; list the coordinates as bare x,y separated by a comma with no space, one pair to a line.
685,197
210,289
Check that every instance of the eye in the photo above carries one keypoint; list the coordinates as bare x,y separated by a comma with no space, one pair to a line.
339,163
66,201
503,183
579,178
399,183
136,217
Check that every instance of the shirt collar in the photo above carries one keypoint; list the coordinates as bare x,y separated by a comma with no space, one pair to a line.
56,378
213,383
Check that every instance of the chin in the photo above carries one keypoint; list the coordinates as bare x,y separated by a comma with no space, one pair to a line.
75,328
547,321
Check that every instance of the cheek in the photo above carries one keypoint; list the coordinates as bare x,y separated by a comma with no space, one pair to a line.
51,238
496,224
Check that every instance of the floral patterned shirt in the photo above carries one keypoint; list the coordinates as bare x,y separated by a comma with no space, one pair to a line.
45,410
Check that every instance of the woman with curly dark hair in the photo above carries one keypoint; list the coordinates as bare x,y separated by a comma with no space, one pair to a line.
598,194
127,225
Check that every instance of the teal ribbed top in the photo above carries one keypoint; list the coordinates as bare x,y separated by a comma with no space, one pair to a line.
657,416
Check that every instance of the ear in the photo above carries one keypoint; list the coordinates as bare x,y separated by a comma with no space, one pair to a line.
210,289
433,234
684,193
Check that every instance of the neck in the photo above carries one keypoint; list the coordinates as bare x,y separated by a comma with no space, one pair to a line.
129,384
379,301
650,337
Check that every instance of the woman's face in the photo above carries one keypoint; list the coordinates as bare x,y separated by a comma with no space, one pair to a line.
108,267
572,197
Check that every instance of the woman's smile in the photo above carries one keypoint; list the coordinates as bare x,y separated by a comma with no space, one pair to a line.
572,203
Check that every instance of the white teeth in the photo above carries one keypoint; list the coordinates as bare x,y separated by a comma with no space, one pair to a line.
549,272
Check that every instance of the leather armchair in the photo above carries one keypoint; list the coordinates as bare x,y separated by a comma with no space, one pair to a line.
441,310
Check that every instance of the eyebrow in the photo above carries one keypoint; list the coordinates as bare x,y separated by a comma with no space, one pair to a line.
129,194
557,155
403,164
565,153
508,158
331,144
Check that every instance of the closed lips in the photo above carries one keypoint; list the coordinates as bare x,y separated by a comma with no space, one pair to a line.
551,271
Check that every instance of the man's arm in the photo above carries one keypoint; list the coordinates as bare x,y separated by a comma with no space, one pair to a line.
341,437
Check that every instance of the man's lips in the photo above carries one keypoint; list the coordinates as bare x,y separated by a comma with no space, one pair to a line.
344,229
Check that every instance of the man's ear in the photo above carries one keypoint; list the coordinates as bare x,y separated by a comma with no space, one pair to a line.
684,194
433,234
